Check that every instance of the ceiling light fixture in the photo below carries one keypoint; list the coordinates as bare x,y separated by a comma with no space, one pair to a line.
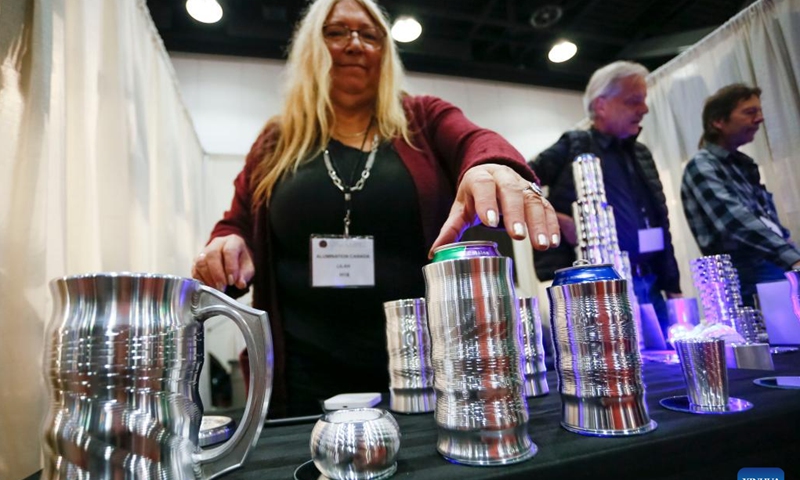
406,29
562,51
206,11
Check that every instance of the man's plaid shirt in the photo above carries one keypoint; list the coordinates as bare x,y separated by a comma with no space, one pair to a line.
724,202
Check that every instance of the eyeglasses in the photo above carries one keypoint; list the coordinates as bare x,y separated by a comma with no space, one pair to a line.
340,35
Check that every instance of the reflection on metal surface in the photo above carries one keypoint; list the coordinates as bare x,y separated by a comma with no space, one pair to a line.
705,371
783,382
356,444
597,359
534,369
682,403
215,429
409,345
474,323
123,355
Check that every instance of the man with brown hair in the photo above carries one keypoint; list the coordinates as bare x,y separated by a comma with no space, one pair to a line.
728,208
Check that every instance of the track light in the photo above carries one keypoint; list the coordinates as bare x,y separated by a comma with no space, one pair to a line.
562,51
406,29
206,11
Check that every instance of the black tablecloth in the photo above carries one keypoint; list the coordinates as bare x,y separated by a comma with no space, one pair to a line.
684,446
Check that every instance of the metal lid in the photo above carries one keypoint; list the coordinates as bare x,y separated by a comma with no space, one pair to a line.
585,273
215,429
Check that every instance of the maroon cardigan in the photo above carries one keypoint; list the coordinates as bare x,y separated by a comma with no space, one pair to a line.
445,145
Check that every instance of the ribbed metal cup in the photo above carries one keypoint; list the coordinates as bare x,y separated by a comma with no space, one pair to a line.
474,321
534,369
410,368
597,359
718,283
588,176
705,372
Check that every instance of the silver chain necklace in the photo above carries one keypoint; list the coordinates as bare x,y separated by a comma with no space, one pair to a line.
347,190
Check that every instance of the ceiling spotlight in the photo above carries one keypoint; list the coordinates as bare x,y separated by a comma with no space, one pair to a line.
562,51
206,11
546,16
406,29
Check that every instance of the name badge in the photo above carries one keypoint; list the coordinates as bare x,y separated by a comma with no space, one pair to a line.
772,226
651,240
340,262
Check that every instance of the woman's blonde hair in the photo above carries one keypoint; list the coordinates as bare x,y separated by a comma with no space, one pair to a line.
305,123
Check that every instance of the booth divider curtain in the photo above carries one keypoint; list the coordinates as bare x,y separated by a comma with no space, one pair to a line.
761,47
100,170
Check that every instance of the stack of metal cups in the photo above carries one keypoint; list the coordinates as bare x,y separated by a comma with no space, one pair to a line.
534,369
718,284
750,324
473,315
596,228
597,355
594,218
409,345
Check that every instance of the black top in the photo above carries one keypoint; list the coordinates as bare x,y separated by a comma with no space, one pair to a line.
627,192
342,330
554,168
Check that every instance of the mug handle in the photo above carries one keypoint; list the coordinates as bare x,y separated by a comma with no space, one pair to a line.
254,325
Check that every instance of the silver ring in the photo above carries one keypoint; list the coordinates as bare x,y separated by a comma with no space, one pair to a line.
532,187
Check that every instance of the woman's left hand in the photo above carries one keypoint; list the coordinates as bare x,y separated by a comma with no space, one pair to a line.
490,190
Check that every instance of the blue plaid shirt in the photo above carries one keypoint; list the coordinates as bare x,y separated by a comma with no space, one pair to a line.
725,204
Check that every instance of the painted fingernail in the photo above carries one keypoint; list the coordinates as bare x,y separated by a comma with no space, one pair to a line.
221,287
555,240
230,279
542,239
519,229
491,215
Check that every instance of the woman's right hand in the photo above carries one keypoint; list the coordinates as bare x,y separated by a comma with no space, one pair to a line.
224,261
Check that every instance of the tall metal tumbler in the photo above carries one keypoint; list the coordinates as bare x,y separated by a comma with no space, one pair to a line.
473,316
597,356
534,369
409,344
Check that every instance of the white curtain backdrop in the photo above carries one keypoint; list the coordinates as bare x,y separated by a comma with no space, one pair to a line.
761,47
100,170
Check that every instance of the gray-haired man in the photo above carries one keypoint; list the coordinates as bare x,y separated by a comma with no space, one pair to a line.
615,102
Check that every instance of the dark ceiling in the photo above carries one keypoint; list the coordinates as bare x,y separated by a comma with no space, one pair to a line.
504,40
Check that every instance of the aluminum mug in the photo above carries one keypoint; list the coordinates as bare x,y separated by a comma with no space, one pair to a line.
122,360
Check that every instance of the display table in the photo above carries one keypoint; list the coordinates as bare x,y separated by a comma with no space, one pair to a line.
684,446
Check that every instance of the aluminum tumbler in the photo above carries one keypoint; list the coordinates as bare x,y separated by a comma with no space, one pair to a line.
705,372
534,369
481,412
597,356
409,344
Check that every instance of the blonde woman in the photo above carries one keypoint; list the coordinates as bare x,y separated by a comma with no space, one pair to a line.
343,197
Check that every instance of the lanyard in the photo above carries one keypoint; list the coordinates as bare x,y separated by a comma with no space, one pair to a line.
346,189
